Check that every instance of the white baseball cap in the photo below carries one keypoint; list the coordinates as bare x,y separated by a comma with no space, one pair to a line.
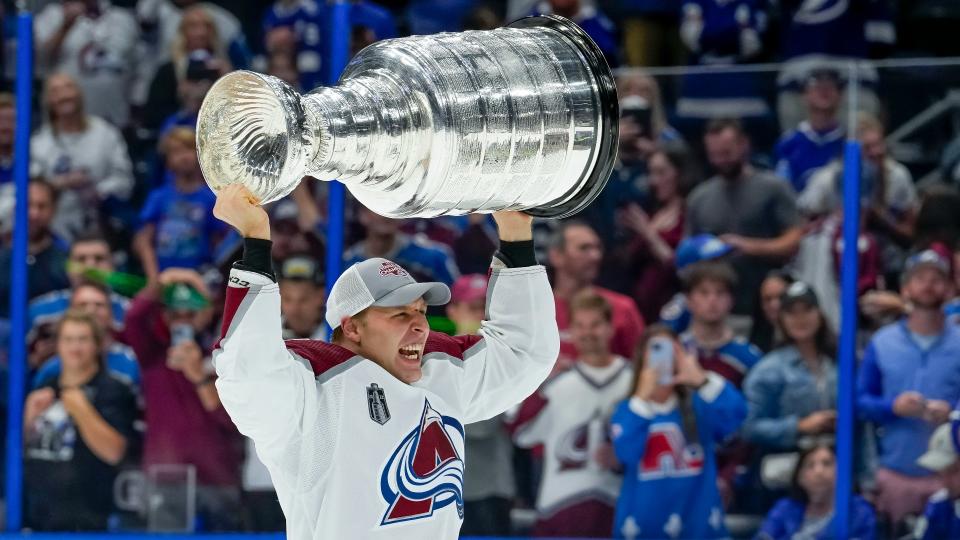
941,452
379,282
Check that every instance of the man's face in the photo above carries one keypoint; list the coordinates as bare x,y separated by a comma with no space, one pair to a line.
822,94
8,121
581,254
591,332
874,146
87,255
726,152
301,304
40,213
394,338
467,315
710,301
182,159
927,287
77,345
92,301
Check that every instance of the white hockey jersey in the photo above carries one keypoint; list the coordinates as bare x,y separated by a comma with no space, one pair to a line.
569,417
352,451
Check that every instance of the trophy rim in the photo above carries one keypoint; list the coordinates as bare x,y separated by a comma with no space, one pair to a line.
610,114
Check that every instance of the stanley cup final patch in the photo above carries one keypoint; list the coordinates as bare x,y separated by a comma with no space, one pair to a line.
377,404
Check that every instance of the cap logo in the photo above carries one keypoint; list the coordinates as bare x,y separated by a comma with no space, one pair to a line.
797,288
714,245
388,268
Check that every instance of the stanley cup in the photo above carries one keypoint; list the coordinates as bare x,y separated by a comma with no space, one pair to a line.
519,118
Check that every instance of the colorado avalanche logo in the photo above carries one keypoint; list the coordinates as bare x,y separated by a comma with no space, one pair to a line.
425,473
392,269
668,455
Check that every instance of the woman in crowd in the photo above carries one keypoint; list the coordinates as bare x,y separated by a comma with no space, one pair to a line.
808,512
83,156
792,392
671,175
197,54
664,434
765,332
78,428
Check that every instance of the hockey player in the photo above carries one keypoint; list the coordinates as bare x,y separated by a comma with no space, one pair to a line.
665,433
364,436
569,417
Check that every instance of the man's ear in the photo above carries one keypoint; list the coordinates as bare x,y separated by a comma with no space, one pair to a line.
351,329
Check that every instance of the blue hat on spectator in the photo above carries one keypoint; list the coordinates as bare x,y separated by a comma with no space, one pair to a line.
702,247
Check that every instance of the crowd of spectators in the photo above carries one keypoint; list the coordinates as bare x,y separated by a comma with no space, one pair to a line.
714,245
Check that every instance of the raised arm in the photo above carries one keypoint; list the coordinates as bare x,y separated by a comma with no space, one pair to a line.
519,340
262,386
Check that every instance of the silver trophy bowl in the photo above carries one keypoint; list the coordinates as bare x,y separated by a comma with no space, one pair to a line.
519,118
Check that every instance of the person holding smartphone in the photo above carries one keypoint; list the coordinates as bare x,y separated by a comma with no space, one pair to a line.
664,434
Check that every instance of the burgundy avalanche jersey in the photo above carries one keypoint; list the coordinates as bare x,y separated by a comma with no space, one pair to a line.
352,451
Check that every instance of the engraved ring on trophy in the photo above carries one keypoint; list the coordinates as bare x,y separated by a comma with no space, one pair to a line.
523,117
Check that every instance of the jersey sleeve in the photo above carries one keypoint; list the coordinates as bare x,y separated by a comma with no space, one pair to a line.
629,428
518,347
263,387
722,405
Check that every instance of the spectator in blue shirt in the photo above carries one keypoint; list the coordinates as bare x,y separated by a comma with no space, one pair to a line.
178,228
665,436
818,140
908,385
941,518
94,300
424,259
808,512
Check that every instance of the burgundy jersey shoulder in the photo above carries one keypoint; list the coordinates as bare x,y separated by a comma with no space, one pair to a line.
455,346
322,356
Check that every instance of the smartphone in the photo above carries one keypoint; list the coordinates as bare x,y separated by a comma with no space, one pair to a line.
181,333
660,352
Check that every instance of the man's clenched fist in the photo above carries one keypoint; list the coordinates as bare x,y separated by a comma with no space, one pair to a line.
237,207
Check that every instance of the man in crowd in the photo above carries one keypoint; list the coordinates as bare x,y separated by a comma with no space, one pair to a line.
749,209
709,290
575,256
906,385
817,140
46,256
301,297
568,416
